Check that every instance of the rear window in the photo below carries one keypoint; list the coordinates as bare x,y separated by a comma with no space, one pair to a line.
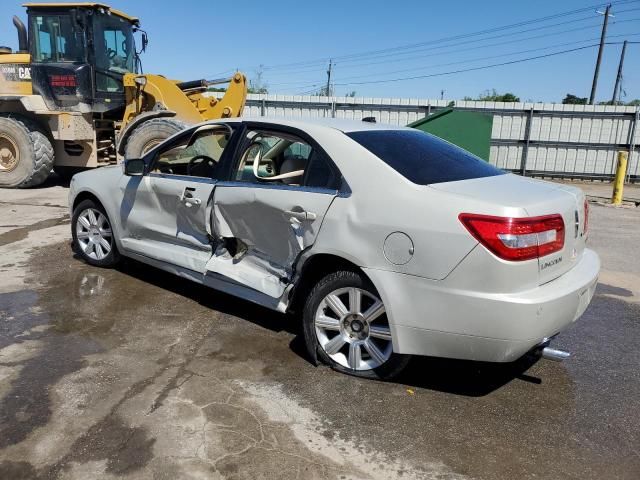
423,158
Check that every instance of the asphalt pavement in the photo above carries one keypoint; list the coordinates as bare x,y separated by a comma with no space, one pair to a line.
134,373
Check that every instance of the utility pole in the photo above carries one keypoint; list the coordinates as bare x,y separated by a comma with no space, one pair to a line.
599,60
616,92
328,90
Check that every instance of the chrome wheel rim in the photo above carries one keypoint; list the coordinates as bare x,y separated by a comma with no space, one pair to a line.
353,330
94,234
9,153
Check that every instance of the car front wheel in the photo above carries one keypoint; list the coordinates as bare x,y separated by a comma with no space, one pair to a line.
346,325
93,236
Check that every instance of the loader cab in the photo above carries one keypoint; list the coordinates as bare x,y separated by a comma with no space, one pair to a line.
79,55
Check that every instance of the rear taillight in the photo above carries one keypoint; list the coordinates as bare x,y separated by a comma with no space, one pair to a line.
517,239
586,218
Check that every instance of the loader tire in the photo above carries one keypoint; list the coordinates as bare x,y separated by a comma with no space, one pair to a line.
26,154
149,134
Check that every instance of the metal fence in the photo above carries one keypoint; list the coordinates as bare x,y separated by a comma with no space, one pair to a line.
538,139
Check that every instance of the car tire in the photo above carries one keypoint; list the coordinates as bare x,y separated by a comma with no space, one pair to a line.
350,339
150,134
92,233
27,153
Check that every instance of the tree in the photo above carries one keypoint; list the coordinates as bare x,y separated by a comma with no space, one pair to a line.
634,103
493,96
351,94
574,100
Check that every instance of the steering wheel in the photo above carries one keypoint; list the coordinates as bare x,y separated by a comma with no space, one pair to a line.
199,161
111,53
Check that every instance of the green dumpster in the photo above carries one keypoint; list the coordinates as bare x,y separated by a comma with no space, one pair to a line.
469,130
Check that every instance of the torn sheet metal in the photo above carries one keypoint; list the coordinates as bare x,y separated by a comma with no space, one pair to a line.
267,223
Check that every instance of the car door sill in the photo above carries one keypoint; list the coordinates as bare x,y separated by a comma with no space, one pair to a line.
227,285
167,267
218,282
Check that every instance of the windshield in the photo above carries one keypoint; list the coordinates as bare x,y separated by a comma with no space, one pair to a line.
423,158
114,51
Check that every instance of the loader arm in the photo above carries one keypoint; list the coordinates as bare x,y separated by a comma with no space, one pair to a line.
145,93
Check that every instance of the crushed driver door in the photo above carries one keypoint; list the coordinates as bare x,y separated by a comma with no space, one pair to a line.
165,219
166,213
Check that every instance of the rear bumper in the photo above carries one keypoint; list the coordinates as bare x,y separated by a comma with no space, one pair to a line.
427,318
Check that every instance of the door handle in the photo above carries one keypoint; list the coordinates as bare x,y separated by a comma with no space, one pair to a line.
302,216
188,199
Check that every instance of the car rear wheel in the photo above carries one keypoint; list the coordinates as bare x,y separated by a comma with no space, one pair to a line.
346,325
93,236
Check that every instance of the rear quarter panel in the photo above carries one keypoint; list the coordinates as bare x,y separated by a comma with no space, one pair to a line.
382,202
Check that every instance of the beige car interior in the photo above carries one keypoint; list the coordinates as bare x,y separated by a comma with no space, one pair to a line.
274,158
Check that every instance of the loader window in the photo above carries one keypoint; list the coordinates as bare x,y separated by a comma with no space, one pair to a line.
114,51
55,40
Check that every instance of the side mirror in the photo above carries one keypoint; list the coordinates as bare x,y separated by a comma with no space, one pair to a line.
145,41
134,167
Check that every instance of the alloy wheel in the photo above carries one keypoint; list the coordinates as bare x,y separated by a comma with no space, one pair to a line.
353,330
94,234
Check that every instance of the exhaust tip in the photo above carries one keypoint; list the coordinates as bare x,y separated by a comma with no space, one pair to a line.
554,354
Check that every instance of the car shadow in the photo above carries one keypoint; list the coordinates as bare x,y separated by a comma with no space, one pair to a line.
53,180
465,377
459,377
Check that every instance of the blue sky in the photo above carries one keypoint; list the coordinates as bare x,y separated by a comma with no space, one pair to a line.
193,39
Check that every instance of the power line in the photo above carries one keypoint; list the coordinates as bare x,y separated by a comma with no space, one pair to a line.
483,67
430,49
443,40
414,56
562,32
314,86
491,30
462,50
490,57
310,82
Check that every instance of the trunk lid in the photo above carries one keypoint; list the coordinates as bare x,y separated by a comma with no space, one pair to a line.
536,198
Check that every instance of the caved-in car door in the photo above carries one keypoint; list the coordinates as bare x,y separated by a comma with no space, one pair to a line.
270,211
166,213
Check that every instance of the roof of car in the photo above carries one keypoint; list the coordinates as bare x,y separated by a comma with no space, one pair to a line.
344,125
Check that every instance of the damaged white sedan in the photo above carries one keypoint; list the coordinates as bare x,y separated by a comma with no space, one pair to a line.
386,241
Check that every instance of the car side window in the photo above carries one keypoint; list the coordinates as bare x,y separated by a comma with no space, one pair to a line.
278,158
198,155
320,174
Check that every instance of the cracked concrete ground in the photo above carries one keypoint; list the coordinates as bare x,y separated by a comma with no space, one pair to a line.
134,373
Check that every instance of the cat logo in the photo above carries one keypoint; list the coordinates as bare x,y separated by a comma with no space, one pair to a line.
24,73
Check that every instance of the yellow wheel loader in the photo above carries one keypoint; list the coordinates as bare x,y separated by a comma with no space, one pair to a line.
73,96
